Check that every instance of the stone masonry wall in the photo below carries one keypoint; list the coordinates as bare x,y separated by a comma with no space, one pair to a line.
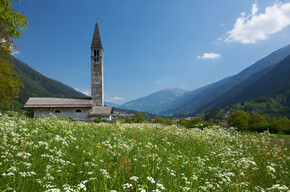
64,112
97,86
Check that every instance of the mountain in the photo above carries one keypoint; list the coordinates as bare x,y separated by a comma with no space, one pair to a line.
151,102
35,84
193,102
269,82
111,104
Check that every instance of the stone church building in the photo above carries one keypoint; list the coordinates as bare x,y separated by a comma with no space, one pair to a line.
79,109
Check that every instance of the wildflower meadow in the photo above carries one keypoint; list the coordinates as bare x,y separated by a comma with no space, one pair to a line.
63,155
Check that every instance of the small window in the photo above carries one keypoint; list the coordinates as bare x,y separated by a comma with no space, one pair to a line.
97,61
95,53
57,111
98,52
78,111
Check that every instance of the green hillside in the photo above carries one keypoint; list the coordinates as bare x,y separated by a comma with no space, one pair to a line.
35,84
266,92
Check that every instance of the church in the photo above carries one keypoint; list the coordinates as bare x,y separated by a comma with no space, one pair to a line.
79,109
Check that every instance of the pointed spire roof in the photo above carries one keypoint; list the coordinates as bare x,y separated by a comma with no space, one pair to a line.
96,43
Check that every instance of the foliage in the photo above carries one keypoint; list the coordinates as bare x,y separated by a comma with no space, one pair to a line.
195,122
259,127
37,85
121,121
62,155
12,24
29,113
13,21
159,120
169,122
239,119
280,125
138,117
257,118
100,120
128,119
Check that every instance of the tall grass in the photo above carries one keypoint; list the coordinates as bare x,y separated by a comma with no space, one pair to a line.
61,155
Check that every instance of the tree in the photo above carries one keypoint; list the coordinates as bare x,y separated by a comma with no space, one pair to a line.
239,119
159,120
196,120
280,125
12,24
169,122
138,117
128,119
257,118
183,122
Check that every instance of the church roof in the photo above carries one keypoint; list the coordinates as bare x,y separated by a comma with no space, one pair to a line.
57,102
101,111
96,43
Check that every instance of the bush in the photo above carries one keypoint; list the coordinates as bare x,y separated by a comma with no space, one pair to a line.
183,122
128,119
121,121
259,127
257,118
159,120
169,122
138,117
29,113
100,120
239,119
195,121
280,126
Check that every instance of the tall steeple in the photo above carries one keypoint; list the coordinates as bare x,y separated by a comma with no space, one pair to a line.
97,43
97,85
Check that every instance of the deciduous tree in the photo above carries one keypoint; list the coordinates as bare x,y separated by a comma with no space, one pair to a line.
12,24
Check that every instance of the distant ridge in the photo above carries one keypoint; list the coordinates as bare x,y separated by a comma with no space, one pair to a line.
152,101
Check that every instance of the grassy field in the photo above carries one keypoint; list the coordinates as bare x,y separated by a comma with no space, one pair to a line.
62,155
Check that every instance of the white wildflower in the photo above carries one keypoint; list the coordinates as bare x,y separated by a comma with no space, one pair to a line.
127,186
160,186
134,178
151,179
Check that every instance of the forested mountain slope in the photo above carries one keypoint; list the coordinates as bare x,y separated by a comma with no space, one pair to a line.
35,84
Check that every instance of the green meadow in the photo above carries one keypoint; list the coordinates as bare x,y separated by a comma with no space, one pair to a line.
62,155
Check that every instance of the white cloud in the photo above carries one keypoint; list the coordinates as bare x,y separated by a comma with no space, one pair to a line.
87,93
209,56
116,100
255,27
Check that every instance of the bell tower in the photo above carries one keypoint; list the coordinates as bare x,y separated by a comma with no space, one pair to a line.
97,80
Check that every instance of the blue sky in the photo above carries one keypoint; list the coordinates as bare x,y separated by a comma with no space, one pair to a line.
150,45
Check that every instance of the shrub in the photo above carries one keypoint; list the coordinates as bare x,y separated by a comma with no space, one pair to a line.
257,118
280,126
239,119
159,120
195,121
259,127
169,122
183,122
100,120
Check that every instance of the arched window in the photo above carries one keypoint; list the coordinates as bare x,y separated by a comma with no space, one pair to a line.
98,52
95,53
57,111
78,111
